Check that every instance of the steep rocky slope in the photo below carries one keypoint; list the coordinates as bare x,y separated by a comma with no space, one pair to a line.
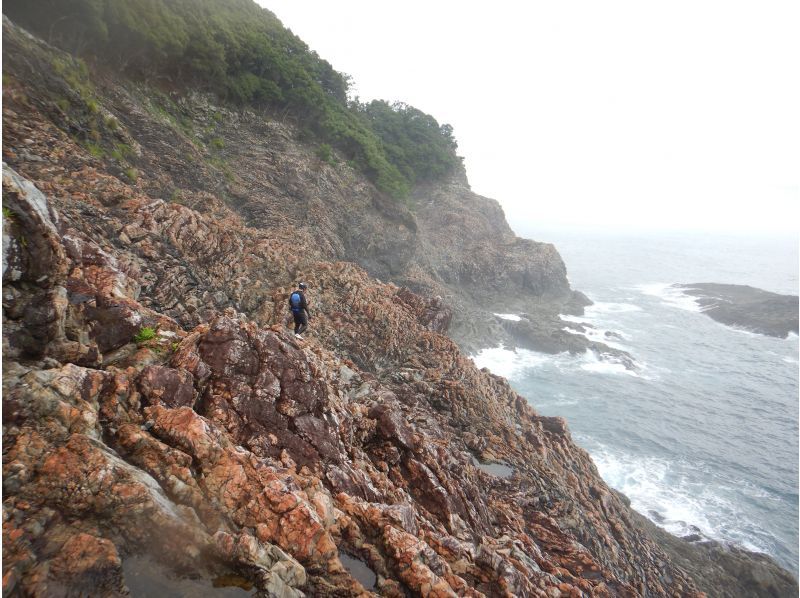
445,241
222,447
231,447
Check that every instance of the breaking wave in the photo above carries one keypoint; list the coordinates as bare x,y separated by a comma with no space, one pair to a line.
661,490
514,364
670,295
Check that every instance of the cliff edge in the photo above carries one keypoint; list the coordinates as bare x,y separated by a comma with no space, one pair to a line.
162,426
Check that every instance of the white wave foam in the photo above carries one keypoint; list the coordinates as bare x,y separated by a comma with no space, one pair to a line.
605,364
658,490
643,480
604,307
574,331
577,319
600,336
744,331
670,295
509,363
513,364
783,357
512,317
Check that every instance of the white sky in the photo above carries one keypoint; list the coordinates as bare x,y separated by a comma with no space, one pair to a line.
614,114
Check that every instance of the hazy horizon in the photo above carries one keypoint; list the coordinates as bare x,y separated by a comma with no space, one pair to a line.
625,115
522,228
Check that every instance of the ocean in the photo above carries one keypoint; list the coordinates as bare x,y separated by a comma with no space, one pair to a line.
703,437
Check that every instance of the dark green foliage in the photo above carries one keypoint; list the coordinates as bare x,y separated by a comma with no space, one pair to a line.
245,55
325,153
413,140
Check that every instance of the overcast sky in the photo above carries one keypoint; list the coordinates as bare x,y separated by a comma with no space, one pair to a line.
614,114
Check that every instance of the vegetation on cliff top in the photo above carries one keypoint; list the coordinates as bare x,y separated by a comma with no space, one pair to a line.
244,54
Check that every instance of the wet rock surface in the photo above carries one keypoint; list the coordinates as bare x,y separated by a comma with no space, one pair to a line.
144,577
747,307
223,448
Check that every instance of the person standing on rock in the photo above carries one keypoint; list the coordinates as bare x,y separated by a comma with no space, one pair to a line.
299,306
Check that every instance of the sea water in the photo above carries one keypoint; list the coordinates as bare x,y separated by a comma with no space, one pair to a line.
703,435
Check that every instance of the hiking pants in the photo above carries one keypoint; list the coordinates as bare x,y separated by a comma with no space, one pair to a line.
300,321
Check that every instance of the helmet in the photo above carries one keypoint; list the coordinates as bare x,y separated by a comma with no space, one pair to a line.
302,285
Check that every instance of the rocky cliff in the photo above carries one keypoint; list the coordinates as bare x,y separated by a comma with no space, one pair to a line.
444,241
161,425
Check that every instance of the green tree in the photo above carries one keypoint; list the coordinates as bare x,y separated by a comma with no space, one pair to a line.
244,54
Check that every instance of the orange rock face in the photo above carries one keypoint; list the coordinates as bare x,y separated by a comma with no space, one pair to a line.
224,447
236,446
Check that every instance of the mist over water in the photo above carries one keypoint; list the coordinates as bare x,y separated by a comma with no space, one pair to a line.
703,437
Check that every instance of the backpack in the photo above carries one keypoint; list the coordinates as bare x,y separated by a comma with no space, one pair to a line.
296,301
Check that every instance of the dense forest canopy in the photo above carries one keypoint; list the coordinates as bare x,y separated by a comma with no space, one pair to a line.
243,53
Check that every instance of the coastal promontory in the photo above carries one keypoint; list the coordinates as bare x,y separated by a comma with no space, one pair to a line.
746,307
171,170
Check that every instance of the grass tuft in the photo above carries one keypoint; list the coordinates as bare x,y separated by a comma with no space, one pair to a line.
147,333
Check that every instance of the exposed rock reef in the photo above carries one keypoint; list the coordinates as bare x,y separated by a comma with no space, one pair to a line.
227,451
747,307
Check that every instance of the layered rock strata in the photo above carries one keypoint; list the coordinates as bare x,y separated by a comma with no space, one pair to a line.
233,446
226,450
446,241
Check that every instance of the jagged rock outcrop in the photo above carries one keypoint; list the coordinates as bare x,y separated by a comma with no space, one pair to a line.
223,448
447,242
254,454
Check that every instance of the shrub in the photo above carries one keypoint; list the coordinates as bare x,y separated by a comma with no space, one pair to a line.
325,153
94,149
121,151
147,333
